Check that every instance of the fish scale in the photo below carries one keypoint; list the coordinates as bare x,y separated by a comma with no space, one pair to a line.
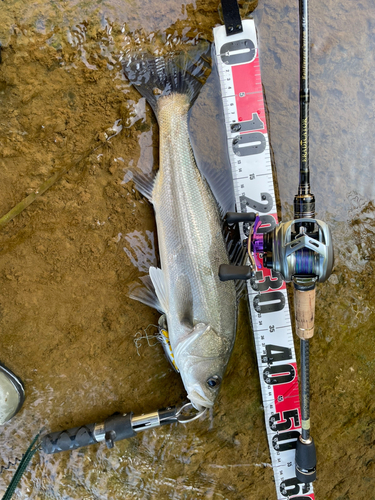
188,218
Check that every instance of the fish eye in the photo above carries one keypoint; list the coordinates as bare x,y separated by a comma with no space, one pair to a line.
214,381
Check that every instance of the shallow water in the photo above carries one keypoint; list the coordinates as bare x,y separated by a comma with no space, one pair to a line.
68,328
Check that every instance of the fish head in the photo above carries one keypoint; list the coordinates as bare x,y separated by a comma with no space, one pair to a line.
202,357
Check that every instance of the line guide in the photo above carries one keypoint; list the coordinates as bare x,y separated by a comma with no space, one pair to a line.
238,66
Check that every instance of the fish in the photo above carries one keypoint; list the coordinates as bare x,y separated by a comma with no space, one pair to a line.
199,309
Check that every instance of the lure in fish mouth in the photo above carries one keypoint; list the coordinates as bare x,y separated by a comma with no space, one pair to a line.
200,310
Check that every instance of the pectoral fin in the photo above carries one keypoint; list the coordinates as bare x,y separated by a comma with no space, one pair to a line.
146,294
157,278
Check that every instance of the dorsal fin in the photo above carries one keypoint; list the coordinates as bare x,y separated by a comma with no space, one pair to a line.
211,148
144,183
237,255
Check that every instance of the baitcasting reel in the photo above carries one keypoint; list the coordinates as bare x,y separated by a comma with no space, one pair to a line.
293,251
291,248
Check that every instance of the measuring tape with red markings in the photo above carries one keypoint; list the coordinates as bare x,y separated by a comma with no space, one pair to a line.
238,65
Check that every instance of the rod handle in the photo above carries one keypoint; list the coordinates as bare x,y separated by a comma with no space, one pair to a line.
304,305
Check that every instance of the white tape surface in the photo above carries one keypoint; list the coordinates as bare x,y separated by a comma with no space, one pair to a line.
241,87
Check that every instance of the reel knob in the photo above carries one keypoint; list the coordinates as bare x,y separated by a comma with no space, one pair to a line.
228,272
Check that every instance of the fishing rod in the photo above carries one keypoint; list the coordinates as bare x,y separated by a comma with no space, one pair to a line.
301,250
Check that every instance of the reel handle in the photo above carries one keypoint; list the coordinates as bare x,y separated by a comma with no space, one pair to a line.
236,217
228,272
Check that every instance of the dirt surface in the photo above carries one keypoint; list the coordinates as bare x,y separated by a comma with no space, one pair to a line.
67,326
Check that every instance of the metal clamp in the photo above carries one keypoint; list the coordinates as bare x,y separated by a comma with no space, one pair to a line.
186,419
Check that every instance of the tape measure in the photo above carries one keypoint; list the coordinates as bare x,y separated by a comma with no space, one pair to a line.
237,58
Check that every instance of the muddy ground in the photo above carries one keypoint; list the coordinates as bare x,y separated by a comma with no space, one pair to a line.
67,326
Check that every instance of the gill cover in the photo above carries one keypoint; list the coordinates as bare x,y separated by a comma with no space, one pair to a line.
199,356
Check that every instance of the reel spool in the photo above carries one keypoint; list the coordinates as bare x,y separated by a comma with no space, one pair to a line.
297,254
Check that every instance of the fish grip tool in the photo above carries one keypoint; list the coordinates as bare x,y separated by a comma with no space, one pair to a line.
115,428
301,250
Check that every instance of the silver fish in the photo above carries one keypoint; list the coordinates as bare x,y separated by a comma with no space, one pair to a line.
200,309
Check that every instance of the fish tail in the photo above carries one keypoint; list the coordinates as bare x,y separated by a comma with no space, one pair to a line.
184,72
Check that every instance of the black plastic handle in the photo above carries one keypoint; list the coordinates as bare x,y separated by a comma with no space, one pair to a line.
228,272
305,461
235,217
69,439
114,428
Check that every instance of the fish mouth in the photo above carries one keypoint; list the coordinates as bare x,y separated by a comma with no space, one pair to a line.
199,400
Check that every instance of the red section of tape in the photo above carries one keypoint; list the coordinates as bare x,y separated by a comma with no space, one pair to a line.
249,92
286,397
246,77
